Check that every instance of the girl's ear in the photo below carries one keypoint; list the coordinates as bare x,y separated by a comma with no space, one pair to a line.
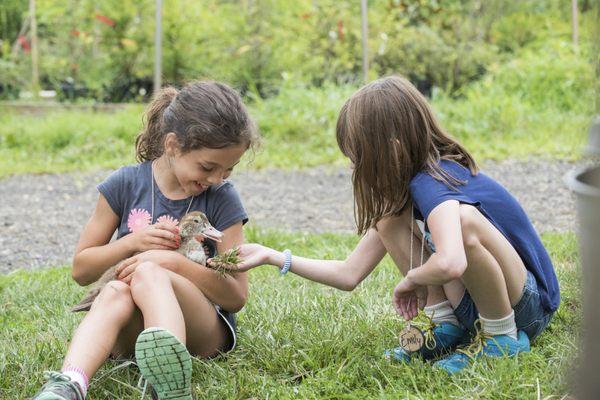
171,144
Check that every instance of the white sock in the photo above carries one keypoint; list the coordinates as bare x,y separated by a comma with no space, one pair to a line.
77,375
441,312
502,326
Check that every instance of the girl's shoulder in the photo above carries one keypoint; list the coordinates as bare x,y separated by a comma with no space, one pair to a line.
130,173
224,191
224,205
452,168
135,170
224,186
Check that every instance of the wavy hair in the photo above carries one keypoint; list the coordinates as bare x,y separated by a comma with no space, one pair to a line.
203,114
388,131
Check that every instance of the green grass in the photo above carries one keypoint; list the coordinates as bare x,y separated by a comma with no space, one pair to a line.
297,339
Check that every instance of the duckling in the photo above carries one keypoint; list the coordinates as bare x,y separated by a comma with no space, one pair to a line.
193,229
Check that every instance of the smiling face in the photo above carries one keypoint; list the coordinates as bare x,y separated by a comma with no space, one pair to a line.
196,170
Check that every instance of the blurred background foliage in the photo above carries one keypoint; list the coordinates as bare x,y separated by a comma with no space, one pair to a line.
103,50
504,77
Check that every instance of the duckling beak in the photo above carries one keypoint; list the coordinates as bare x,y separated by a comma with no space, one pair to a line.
211,233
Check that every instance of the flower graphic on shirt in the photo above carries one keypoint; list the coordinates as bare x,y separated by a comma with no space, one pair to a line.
167,219
138,219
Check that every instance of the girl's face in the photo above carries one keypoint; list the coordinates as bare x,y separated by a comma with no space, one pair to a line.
196,170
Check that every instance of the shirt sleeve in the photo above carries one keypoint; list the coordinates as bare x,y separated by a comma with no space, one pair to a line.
113,189
225,207
427,193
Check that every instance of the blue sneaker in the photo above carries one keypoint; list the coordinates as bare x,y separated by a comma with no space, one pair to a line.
440,339
484,345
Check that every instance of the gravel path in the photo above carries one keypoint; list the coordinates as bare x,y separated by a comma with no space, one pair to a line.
41,216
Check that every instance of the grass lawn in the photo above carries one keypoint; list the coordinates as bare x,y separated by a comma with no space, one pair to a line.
298,129
297,339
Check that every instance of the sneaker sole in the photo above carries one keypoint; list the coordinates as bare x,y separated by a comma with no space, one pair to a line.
165,363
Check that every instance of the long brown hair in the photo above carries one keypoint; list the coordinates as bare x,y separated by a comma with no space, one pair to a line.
203,114
389,132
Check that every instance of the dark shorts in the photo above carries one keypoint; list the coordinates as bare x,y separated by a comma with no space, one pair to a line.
228,319
530,315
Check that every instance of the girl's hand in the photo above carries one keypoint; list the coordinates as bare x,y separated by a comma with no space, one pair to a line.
160,236
251,255
127,267
409,298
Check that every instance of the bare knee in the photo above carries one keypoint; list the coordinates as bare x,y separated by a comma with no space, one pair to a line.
117,294
147,274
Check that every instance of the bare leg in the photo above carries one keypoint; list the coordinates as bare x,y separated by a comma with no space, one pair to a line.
170,301
109,313
153,293
495,274
454,291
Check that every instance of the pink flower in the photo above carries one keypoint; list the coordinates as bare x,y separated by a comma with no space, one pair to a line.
138,219
167,219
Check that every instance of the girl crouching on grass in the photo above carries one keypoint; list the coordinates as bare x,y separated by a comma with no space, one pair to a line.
164,306
486,279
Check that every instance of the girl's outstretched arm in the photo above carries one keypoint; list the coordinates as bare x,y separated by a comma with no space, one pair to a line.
344,275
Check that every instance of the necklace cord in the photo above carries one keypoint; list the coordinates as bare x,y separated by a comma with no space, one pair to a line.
152,213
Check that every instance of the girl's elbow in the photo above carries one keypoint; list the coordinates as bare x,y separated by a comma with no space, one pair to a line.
349,284
453,269
79,277
77,273
239,302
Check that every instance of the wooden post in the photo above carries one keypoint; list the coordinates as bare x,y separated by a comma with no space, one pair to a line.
365,60
158,48
96,33
35,71
575,22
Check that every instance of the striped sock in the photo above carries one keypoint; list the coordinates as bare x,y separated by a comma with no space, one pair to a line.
77,375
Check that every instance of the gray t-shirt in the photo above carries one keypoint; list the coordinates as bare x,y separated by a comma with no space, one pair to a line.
128,191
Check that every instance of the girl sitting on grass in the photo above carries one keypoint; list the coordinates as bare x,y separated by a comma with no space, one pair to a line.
164,306
486,273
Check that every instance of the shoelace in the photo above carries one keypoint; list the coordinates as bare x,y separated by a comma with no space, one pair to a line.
144,388
426,325
479,343
141,381
57,379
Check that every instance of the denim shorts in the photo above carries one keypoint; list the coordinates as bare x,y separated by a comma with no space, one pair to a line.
530,315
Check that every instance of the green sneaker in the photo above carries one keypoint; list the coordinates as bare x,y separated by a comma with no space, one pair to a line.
165,363
59,387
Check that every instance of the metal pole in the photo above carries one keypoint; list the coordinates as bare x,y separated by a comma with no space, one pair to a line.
35,71
365,60
575,21
157,48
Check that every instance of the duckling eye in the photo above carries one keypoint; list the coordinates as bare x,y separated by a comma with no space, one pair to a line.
196,220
